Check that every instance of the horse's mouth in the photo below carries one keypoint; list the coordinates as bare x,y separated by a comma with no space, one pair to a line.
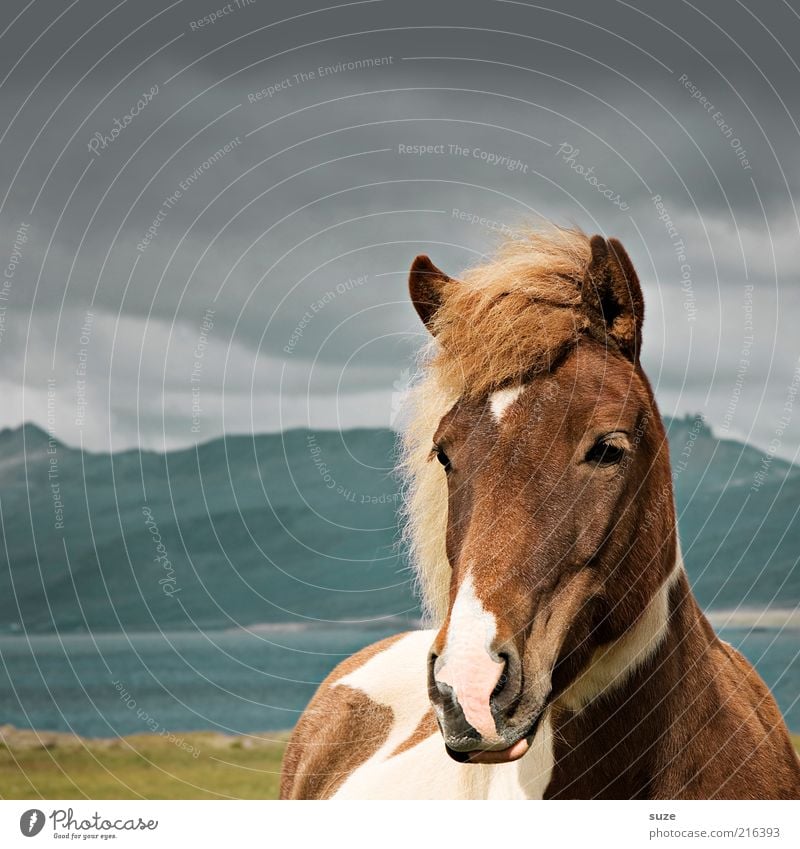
512,753
492,756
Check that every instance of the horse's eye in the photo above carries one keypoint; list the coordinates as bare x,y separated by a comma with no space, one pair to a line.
442,457
605,453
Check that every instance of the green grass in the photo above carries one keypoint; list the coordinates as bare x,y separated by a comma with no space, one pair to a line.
143,766
146,766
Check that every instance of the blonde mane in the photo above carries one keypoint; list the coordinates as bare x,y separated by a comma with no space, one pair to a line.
504,320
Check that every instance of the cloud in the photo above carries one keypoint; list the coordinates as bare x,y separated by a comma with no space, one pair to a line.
269,210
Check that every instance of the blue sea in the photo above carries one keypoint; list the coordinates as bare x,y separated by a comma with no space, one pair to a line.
233,681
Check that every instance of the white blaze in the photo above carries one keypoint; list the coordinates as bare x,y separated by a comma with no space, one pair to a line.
501,400
467,664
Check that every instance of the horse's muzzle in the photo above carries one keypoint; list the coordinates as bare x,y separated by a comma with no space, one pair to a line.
522,741
473,701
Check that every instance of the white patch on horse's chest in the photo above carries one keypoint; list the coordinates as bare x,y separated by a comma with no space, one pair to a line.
501,400
528,777
397,678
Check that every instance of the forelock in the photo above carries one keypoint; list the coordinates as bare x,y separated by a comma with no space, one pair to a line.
514,315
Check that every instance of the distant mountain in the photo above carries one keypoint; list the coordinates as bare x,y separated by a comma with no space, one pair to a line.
301,526
739,518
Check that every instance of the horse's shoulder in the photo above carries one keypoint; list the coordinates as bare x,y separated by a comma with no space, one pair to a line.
748,684
351,714
764,759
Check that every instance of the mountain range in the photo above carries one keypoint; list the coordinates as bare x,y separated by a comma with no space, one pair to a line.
301,527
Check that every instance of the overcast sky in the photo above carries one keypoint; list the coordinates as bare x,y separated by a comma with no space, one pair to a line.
284,205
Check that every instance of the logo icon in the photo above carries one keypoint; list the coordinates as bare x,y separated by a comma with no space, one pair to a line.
31,822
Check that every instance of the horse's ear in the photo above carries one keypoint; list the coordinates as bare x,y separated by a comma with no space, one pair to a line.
612,286
426,284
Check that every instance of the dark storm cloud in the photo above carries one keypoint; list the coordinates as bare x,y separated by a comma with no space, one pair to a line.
280,197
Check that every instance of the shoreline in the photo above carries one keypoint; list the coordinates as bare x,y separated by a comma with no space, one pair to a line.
763,618
17,739
758,618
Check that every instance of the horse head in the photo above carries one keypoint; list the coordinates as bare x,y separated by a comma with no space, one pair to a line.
553,474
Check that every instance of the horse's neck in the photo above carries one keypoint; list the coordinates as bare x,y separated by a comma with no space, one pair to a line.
612,732
612,665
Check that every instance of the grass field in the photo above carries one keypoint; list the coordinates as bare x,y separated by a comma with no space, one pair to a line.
146,766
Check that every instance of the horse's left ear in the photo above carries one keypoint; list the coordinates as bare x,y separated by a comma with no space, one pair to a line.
426,285
612,286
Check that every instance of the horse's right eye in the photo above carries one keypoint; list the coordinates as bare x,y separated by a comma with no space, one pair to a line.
442,457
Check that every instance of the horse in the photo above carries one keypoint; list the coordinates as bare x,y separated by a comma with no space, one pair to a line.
567,657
